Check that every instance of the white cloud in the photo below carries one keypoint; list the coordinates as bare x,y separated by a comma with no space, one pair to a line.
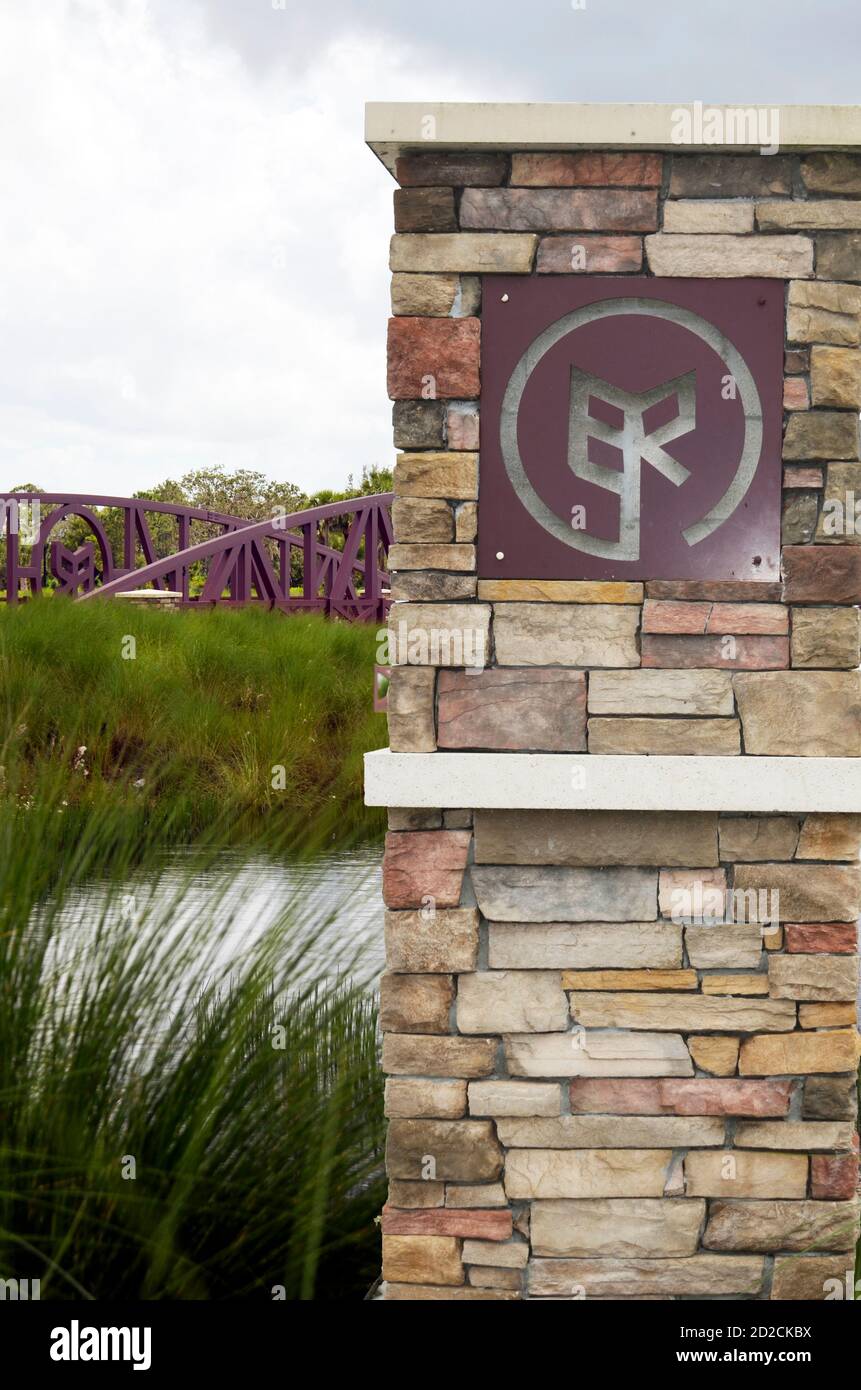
194,253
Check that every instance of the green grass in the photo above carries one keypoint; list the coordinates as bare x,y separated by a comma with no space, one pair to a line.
247,716
257,1167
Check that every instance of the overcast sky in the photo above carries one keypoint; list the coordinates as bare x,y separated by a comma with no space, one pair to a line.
193,237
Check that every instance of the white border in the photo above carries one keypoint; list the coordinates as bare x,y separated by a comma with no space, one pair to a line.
595,782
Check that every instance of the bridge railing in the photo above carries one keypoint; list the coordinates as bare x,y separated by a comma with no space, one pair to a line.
244,562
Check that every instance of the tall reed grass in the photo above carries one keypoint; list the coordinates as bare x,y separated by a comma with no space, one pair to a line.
176,1121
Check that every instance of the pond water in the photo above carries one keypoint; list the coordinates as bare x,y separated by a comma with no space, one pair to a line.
333,903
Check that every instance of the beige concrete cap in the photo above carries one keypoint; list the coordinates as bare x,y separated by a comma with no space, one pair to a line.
393,128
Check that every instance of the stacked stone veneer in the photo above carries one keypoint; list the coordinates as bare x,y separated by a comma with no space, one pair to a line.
587,1095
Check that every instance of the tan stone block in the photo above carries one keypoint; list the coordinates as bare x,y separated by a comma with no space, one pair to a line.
514,1098
413,1055
794,1134
661,692
700,737
582,838
821,434
461,1150
432,586
415,1003
422,1259
436,1293
687,893
819,977
469,253
597,1054
511,893
554,1173
424,294
838,256
416,1196
827,1015
636,1279
808,892
439,634
737,983
483,1277
628,1227
780,1225
835,376
831,172
556,945
840,515
629,979
811,1278
735,947
811,215
466,515
683,1013
410,710
511,1001
476,1195
830,837
483,1225
788,1054
560,591
824,312
422,519
756,838
512,1254
457,558
727,1173
826,637
719,1056
442,943
431,1100
800,713
546,634
610,1132
450,474
701,216
720,256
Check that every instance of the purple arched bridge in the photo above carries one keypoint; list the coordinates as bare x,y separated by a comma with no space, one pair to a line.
284,562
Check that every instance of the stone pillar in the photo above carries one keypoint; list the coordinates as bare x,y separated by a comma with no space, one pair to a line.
621,878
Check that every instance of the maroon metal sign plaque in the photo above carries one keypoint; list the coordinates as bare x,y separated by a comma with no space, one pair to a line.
630,428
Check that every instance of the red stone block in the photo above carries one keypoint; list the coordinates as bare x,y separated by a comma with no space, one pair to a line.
422,865
444,1221
714,590
558,210
748,618
587,169
795,393
660,615
750,653
434,358
589,255
796,360
608,1096
834,1176
803,477
835,938
511,710
822,574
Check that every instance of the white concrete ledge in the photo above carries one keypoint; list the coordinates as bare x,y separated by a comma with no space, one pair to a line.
392,128
595,782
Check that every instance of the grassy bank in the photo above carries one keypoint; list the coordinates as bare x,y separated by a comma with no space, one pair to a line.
180,721
178,1121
